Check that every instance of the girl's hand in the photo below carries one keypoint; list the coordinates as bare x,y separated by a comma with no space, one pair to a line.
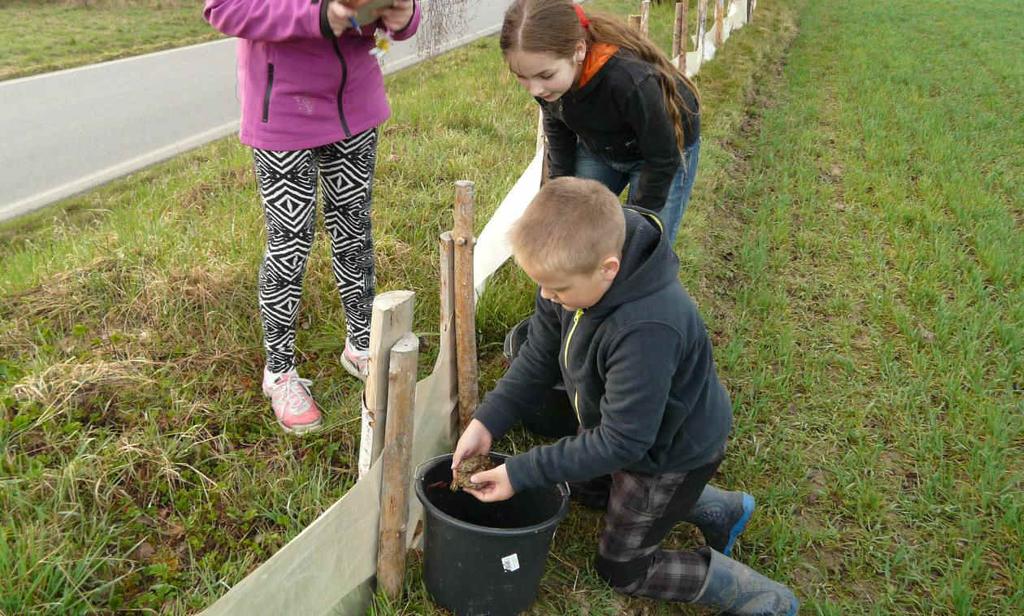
339,16
496,486
398,16
475,441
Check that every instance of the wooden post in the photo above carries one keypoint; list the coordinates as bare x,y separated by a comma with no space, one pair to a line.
679,33
395,463
448,337
465,303
542,145
634,22
702,17
645,16
447,271
392,318
719,23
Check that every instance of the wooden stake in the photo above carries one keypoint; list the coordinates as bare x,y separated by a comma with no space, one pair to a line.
719,23
447,269
634,22
395,463
702,17
679,32
645,16
448,338
392,318
465,303
542,144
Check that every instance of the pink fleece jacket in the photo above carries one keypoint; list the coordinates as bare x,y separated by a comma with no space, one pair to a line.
300,86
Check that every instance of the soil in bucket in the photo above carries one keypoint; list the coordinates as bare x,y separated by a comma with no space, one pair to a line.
485,559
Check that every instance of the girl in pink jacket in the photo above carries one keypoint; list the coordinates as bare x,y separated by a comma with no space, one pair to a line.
312,98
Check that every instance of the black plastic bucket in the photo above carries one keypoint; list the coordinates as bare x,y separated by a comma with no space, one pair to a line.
555,418
485,559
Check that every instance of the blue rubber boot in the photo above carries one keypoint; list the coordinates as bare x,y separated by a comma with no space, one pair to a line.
721,516
735,589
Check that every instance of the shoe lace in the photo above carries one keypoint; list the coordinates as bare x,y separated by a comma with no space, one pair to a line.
295,392
361,359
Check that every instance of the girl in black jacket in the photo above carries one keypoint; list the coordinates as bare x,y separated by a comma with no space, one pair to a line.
615,108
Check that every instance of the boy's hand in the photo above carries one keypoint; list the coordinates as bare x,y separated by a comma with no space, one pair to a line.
397,16
339,16
496,485
475,441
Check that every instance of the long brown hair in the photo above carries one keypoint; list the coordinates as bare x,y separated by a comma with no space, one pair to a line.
553,26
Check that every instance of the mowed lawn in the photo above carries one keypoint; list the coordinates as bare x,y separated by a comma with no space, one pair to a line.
45,35
854,242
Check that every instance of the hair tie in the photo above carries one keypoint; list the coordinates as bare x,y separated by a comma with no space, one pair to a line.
582,16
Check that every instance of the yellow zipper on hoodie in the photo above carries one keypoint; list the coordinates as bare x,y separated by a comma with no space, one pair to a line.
565,360
575,322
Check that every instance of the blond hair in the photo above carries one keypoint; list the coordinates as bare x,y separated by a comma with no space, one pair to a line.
569,227
553,27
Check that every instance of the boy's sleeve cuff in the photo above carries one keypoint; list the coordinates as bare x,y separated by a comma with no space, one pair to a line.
520,473
496,422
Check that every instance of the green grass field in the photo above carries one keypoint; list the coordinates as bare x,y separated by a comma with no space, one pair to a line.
45,35
854,242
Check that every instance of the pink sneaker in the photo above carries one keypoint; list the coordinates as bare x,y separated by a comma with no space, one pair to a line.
292,403
355,362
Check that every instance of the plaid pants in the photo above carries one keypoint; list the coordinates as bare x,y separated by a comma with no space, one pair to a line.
642,509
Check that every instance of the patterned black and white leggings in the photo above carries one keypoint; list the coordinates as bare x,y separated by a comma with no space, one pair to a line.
287,183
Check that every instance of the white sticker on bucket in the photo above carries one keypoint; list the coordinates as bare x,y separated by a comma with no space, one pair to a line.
510,563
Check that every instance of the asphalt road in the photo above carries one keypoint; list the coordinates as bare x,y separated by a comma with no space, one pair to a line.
69,131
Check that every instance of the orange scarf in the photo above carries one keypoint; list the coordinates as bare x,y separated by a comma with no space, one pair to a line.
597,56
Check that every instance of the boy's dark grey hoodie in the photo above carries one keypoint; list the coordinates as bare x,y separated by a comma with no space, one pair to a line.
637,367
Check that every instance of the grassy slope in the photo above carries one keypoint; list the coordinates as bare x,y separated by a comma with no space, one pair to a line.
140,465
38,36
851,242
864,281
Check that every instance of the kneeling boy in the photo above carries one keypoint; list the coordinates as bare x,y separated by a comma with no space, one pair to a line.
613,321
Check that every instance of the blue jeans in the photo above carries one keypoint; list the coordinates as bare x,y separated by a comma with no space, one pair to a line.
616,175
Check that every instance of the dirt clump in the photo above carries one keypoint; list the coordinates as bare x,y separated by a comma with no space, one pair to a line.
467,468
